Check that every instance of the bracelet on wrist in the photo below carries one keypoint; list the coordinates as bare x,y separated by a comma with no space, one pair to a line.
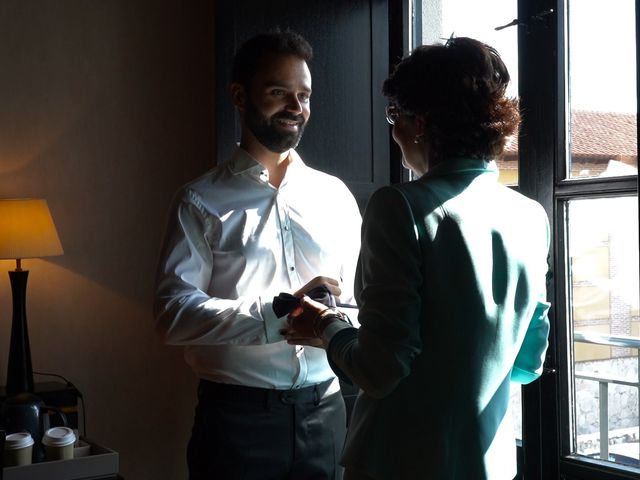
326,317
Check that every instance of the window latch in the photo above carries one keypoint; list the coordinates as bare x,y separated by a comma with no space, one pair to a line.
527,22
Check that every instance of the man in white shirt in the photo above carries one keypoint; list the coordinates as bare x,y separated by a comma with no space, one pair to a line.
260,224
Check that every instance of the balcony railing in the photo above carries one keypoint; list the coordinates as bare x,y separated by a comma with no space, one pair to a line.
604,380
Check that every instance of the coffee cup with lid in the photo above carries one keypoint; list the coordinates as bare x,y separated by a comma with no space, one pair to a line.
58,443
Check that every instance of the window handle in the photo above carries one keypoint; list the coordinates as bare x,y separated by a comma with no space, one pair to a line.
526,22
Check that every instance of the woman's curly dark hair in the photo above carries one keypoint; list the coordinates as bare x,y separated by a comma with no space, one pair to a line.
460,88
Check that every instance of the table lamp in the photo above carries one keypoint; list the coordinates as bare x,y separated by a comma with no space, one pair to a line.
26,231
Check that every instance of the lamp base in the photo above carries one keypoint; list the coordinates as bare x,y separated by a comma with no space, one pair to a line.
19,370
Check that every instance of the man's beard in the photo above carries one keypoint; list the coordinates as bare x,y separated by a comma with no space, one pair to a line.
268,134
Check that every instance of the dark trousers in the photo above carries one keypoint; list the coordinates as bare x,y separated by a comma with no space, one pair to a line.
244,433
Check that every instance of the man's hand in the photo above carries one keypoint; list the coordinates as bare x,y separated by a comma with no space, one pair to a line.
331,283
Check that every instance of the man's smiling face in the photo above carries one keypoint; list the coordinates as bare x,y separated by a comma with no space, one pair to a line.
277,105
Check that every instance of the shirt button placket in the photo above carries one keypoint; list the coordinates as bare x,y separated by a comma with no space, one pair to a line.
287,240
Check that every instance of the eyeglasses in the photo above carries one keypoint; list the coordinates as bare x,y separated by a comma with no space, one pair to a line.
393,112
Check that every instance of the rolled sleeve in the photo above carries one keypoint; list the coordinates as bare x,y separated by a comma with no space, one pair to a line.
528,364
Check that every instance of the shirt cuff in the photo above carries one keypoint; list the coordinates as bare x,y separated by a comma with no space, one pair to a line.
272,324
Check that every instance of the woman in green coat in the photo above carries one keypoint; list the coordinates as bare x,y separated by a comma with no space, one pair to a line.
450,287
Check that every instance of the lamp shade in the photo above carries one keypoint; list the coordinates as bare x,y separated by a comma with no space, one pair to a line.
27,229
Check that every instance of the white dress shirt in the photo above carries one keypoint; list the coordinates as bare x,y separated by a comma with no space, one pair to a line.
233,242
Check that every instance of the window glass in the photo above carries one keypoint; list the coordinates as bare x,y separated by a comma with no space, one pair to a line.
471,18
602,89
604,291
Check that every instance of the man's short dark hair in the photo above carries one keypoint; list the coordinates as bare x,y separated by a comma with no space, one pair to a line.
248,57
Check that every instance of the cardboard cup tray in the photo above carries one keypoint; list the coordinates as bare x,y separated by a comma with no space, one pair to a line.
90,461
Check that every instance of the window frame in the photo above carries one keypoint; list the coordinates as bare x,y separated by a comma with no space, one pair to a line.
543,165
547,413
545,452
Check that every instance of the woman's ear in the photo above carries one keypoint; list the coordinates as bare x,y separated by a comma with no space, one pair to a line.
420,122
420,126
238,95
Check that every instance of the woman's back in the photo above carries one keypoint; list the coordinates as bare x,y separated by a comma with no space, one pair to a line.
482,258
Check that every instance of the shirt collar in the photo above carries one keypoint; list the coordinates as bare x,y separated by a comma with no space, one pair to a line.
241,162
463,165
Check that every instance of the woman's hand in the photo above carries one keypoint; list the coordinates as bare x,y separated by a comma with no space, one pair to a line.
302,323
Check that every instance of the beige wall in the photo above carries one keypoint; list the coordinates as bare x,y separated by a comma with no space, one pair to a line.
106,107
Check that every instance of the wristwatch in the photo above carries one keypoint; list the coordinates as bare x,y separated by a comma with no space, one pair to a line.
326,317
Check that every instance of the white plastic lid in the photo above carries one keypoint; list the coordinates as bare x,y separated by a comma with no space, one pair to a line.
58,437
14,441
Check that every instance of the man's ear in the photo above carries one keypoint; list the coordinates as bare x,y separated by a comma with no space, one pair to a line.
238,95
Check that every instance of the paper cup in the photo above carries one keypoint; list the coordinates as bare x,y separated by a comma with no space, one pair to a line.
58,443
18,448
